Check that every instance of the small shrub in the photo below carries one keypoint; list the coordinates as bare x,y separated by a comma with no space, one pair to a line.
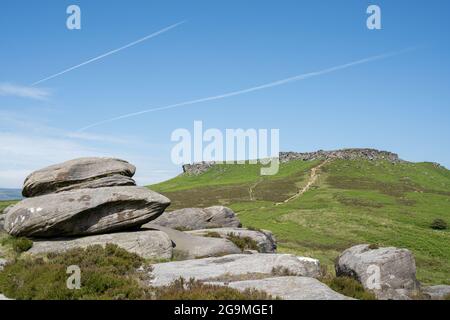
19,245
243,243
194,290
439,224
349,287
106,273
182,229
212,234
179,255
281,271
374,246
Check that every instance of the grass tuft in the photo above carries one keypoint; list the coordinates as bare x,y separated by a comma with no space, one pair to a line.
349,287
243,243
19,245
439,224
194,290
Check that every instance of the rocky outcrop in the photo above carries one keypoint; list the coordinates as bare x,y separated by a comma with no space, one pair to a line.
264,239
149,244
235,266
289,288
2,297
186,246
84,212
198,168
77,174
344,154
389,272
198,218
439,292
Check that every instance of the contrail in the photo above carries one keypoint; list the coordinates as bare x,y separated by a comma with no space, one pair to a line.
248,90
110,52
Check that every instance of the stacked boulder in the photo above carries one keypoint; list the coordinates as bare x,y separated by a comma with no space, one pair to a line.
90,201
93,198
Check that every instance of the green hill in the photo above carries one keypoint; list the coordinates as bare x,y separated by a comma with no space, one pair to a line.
319,208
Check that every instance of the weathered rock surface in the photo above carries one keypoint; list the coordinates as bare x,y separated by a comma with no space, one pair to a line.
77,174
235,265
264,238
389,272
84,212
343,154
2,263
150,244
2,297
289,288
198,218
188,246
439,292
2,222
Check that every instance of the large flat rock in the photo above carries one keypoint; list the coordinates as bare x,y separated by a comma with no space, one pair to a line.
264,239
389,272
188,246
198,218
289,288
439,292
151,244
234,266
84,212
78,174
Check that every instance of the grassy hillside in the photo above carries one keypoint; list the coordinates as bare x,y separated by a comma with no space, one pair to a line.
350,202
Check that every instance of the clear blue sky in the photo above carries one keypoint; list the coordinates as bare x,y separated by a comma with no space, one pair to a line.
400,104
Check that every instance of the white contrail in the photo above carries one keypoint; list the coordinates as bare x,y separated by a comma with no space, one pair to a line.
260,87
110,52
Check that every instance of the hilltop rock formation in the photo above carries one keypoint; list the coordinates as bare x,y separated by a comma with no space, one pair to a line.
264,239
389,272
234,266
79,174
84,212
343,154
198,218
150,244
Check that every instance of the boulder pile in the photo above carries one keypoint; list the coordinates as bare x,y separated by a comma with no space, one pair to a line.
95,201
88,201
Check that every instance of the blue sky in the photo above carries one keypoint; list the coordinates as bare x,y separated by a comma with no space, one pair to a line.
400,103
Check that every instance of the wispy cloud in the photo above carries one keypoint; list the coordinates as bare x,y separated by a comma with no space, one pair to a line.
14,90
157,33
27,145
252,89
96,137
26,152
